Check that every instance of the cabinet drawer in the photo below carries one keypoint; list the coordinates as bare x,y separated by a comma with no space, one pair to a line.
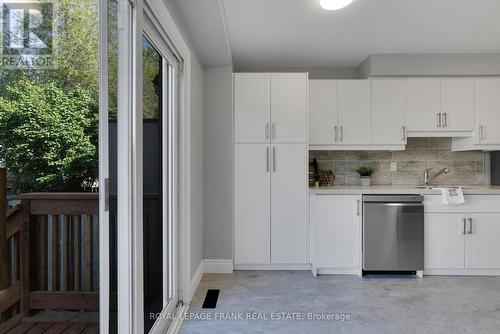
473,203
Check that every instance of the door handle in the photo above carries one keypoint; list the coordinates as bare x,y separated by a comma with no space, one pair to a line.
439,120
481,132
274,159
273,131
335,133
341,133
403,133
267,159
464,231
445,120
358,203
470,226
267,131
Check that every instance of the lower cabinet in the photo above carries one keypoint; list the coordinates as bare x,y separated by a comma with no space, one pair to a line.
270,205
338,233
465,242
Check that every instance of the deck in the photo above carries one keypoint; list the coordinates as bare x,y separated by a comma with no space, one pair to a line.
60,327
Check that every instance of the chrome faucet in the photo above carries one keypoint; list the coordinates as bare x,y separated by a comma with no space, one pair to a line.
428,179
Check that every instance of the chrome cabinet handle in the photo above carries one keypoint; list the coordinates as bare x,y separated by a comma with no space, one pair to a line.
267,159
336,134
470,226
341,133
274,159
273,131
439,120
445,120
403,133
267,130
358,209
464,231
481,132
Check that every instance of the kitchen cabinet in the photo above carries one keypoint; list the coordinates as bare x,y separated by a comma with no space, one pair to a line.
338,238
488,111
323,111
483,241
388,117
270,170
288,199
457,105
288,107
444,241
354,112
252,203
252,107
270,107
486,135
463,240
423,105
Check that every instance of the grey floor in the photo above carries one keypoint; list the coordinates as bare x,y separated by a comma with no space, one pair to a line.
374,304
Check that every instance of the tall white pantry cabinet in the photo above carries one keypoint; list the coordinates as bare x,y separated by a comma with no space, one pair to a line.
270,161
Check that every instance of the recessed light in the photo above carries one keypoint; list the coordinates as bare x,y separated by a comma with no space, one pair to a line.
334,4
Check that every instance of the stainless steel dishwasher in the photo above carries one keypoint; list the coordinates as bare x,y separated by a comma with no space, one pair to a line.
393,233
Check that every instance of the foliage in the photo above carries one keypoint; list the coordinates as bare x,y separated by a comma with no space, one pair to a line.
365,170
48,136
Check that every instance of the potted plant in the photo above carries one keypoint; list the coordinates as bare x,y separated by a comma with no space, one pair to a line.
366,174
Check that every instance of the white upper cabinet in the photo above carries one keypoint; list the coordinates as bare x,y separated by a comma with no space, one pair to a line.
423,105
323,107
252,107
457,104
289,107
270,107
388,116
354,113
488,111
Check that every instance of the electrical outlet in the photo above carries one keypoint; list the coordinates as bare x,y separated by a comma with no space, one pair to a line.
394,166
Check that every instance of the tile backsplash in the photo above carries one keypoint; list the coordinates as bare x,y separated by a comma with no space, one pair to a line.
466,168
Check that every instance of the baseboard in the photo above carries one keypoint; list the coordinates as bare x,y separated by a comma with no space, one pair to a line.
218,266
272,267
195,281
462,272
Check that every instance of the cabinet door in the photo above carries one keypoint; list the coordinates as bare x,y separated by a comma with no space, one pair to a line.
252,111
388,112
252,203
423,105
323,108
289,107
444,241
338,241
488,111
355,112
483,241
457,104
289,203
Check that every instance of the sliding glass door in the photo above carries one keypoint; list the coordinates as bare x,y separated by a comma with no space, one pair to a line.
160,186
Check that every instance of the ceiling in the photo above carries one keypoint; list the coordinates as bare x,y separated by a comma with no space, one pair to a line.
298,33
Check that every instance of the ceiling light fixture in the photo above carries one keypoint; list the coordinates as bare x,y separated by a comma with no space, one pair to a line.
334,4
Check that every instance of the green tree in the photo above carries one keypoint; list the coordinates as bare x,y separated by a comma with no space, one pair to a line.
48,136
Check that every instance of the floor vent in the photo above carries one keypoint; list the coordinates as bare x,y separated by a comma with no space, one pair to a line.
211,298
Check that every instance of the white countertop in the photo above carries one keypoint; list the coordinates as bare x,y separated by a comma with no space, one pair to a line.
358,190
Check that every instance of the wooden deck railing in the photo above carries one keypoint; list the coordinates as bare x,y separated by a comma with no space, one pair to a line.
51,253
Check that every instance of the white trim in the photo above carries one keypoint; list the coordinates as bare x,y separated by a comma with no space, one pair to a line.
195,281
104,261
462,272
339,271
369,147
168,24
218,266
272,267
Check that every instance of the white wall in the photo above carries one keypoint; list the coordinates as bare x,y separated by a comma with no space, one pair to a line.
218,163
